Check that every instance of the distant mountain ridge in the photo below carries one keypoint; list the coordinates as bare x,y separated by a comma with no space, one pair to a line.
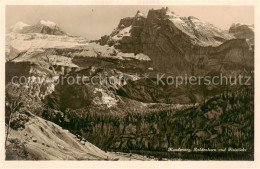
22,37
243,31
17,27
43,27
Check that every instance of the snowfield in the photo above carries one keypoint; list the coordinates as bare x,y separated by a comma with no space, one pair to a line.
24,42
36,42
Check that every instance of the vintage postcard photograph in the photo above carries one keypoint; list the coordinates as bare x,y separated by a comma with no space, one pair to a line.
129,82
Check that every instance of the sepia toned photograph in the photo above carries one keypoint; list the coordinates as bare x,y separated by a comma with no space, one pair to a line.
129,83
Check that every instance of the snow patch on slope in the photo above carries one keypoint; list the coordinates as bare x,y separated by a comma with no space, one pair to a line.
96,50
24,42
47,23
139,56
122,33
201,33
105,98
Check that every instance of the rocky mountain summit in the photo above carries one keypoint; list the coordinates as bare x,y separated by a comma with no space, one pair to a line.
179,44
197,32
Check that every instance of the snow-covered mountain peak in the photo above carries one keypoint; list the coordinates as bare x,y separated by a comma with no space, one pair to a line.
17,27
42,26
47,23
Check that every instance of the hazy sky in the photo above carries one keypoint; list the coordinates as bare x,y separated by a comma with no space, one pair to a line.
94,21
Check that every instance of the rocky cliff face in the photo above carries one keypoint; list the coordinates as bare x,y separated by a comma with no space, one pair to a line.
127,35
178,44
243,31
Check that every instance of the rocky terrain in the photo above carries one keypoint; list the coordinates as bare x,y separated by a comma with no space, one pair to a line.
110,121
33,138
180,45
243,31
44,140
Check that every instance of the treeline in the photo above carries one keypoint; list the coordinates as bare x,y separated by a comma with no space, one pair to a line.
224,121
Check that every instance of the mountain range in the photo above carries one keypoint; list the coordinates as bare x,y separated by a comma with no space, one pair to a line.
186,44
124,116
